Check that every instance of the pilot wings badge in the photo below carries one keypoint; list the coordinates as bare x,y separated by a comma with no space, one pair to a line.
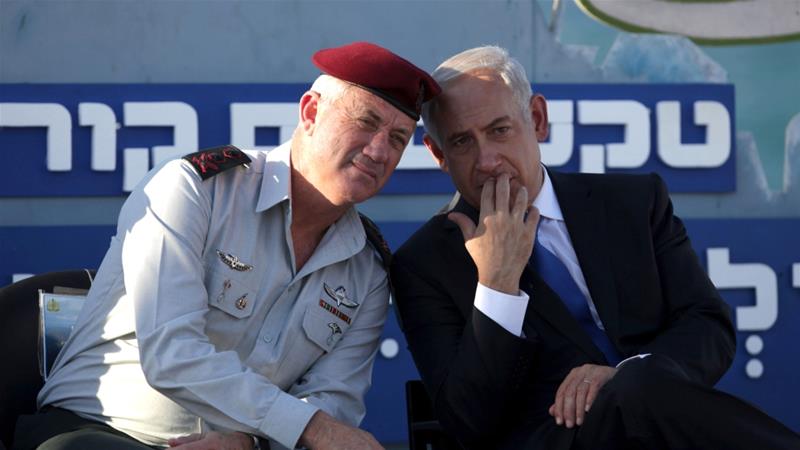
340,296
233,262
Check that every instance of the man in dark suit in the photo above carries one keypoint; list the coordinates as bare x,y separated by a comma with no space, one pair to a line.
584,320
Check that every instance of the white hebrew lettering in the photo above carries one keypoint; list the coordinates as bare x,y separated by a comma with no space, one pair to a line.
104,134
713,153
592,158
246,117
634,150
52,116
760,277
179,115
558,151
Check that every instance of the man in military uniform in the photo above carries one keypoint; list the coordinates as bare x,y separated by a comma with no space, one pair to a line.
240,303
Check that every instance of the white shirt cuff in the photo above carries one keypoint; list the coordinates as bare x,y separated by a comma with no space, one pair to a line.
642,356
507,310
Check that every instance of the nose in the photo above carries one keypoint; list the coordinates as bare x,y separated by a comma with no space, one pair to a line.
378,147
488,158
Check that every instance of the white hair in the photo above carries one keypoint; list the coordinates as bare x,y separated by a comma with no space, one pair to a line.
490,57
329,88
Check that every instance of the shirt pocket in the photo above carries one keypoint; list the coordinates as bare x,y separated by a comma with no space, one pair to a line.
229,294
323,328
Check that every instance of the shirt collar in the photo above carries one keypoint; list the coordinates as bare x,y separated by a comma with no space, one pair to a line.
276,182
547,202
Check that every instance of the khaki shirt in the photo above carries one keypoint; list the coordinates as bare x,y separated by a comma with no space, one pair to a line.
197,319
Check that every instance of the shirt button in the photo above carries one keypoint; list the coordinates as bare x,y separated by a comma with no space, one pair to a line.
268,339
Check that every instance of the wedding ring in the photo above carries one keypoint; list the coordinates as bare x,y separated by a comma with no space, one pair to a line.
586,380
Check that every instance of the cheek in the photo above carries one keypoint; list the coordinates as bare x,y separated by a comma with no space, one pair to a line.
459,168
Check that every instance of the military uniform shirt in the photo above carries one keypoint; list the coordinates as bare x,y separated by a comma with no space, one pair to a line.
210,319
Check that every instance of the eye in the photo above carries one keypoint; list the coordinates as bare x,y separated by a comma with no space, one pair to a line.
501,130
367,123
461,141
398,141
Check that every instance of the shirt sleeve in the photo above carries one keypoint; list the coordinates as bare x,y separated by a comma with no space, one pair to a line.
508,311
165,226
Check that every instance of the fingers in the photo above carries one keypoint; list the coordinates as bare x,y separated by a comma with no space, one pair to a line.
466,224
487,198
581,392
570,402
568,411
520,206
558,406
594,388
502,193
577,392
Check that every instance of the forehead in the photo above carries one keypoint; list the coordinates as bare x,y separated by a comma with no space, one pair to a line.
357,101
475,100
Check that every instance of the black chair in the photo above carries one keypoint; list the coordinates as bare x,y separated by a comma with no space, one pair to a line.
20,379
424,430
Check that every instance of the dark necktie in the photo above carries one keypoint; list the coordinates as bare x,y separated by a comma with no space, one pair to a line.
556,275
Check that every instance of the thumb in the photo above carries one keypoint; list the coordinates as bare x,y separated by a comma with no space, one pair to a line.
466,224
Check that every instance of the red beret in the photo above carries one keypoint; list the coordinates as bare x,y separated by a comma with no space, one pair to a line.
381,72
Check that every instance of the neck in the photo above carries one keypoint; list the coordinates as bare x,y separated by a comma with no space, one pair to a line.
312,214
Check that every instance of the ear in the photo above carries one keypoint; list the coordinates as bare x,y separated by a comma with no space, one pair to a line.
538,108
436,152
309,107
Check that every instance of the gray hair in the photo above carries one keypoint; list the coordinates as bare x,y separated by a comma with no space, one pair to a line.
330,89
493,58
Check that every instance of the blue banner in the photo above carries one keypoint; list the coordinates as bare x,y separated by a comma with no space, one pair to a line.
100,139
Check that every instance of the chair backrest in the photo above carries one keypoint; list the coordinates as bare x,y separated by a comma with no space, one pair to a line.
20,380
424,430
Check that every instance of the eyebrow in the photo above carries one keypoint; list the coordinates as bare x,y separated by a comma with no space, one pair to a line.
497,121
375,116
491,124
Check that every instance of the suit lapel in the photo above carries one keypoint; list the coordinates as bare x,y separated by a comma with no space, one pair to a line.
587,222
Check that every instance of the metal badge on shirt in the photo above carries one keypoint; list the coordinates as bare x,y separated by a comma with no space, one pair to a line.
335,329
340,296
233,262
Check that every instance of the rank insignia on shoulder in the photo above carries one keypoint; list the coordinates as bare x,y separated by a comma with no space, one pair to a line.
212,161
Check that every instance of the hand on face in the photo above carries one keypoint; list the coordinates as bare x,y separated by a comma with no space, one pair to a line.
577,392
501,243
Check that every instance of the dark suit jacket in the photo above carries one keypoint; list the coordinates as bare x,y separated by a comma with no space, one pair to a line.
492,389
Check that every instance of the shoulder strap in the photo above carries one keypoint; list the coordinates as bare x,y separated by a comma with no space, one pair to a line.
375,238
377,241
212,161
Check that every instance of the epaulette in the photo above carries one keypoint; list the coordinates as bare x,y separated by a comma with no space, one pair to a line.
375,238
377,241
211,161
